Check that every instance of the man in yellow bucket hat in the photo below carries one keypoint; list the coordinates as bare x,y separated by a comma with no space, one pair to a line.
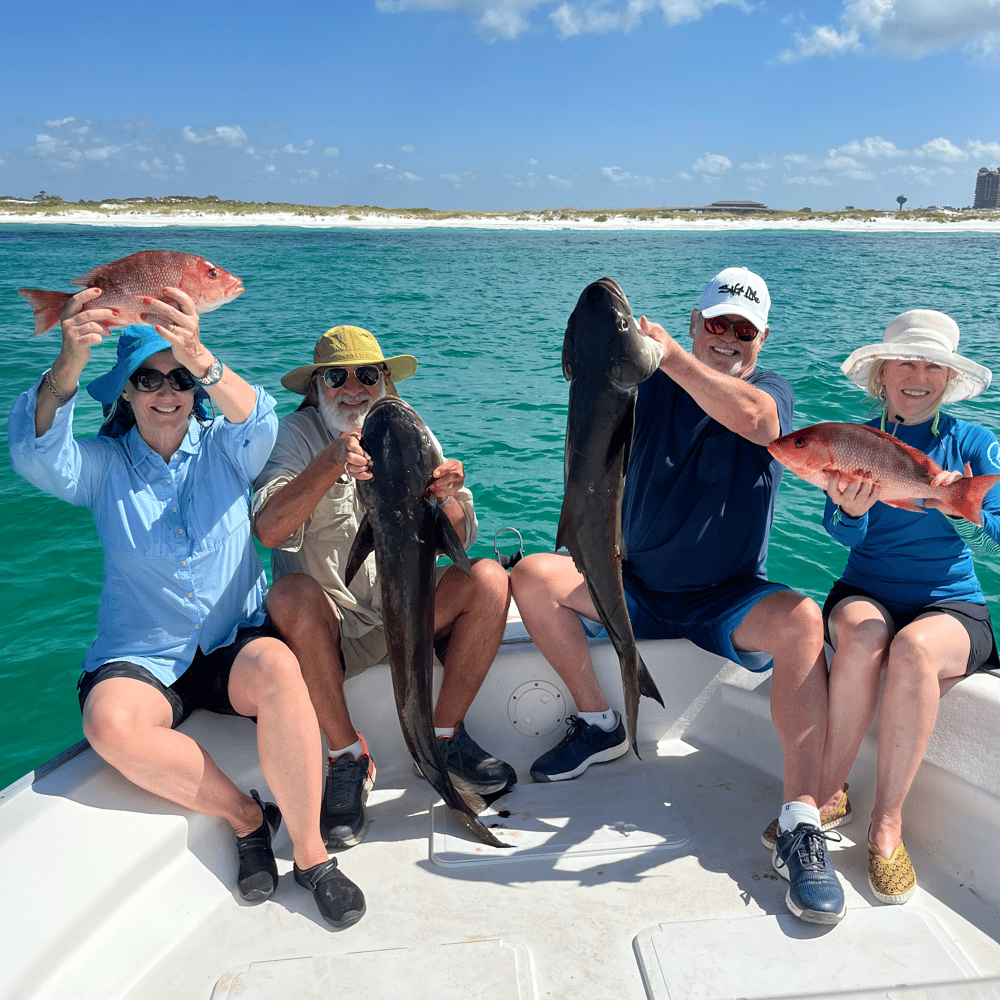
307,511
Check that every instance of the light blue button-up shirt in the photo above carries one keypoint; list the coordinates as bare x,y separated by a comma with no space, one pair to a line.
180,567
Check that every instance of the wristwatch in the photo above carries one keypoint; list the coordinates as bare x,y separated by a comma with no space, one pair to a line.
213,375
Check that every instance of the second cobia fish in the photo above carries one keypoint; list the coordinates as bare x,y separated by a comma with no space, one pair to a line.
406,531
605,357
143,274
854,451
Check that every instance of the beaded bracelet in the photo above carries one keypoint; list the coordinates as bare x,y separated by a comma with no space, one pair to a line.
55,392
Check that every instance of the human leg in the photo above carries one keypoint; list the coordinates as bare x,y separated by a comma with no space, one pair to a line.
789,627
266,682
551,594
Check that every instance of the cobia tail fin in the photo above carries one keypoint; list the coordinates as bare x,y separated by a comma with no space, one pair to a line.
647,686
364,545
447,541
965,496
47,307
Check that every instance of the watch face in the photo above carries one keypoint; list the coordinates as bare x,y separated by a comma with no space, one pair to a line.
213,374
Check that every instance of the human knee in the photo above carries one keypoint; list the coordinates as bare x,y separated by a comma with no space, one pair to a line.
909,658
532,573
110,727
801,624
491,580
274,669
297,602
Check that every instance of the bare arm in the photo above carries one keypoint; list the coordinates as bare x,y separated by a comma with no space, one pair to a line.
233,395
291,506
449,478
733,402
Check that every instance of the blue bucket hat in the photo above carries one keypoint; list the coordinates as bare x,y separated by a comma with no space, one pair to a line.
135,345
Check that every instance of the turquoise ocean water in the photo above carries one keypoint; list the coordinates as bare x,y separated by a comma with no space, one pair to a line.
484,313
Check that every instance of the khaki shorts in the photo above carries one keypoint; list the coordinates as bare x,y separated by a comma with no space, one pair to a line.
371,648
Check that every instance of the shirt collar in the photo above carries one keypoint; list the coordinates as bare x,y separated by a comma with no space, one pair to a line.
139,451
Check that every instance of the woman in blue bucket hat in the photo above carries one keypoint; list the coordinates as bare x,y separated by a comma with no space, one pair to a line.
181,623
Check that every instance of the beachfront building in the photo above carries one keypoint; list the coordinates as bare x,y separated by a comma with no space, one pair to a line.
987,188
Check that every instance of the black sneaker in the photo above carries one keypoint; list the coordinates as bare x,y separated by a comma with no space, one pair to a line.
258,875
471,768
582,746
341,903
343,821
814,891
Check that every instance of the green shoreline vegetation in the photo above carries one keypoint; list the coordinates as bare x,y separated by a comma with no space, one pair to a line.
174,205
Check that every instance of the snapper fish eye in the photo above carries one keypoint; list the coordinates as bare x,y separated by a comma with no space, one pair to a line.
800,442
213,271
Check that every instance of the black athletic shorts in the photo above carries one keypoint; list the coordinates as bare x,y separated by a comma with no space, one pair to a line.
205,684
974,618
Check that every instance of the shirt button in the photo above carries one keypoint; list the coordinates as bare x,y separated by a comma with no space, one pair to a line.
174,509
180,531
184,562
197,626
190,595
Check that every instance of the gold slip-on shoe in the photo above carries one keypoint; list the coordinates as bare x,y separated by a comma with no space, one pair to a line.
892,881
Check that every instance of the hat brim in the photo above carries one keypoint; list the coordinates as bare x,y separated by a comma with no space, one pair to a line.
733,309
401,366
969,380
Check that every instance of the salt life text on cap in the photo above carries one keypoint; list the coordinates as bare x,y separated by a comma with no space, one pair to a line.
737,291
921,335
349,346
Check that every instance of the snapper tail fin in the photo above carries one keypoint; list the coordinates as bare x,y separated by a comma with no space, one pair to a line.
965,496
47,307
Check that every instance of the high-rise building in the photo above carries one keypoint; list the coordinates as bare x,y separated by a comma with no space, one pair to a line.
987,188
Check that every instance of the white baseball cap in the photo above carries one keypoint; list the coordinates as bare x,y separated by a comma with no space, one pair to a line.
921,335
737,291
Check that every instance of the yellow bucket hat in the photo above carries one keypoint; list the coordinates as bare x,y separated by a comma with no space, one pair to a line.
348,345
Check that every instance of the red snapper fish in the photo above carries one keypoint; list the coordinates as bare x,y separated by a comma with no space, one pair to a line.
144,274
855,452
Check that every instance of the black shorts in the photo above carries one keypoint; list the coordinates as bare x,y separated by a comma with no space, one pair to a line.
205,684
974,618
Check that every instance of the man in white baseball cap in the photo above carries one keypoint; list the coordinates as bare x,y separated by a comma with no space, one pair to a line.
696,515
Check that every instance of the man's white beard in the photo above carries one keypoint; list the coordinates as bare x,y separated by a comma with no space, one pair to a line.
338,419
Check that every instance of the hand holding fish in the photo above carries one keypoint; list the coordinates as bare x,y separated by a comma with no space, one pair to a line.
346,451
945,479
81,329
179,326
449,478
656,332
854,497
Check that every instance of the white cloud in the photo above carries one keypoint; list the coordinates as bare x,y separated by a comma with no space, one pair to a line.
684,176
532,161
984,150
305,176
759,166
102,153
712,166
907,29
389,172
559,181
407,149
221,135
943,149
302,150
162,168
331,151
407,176
507,19
874,148
58,122
809,181
623,179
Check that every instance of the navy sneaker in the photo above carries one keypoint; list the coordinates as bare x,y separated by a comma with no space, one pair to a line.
258,874
814,891
471,768
582,746
343,820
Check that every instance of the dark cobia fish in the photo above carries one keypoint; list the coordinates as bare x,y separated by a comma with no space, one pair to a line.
604,358
406,531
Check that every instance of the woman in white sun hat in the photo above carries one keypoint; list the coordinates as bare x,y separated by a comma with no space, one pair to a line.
908,602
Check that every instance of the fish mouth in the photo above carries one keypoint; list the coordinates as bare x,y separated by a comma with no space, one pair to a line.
612,286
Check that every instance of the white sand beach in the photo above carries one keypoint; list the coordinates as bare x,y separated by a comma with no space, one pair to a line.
537,220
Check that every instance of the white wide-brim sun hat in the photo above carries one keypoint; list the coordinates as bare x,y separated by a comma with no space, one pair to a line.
921,335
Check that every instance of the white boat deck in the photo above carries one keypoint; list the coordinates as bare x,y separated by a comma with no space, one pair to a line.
640,879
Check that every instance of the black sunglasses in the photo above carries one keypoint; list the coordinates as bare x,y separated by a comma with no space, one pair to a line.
743,330
150,379
366,375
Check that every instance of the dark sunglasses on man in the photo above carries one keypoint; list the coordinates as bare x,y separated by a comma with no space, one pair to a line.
743,329
365,374
150,379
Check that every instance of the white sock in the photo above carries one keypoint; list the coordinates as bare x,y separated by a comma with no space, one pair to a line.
444,732
607,720
793,813
356,750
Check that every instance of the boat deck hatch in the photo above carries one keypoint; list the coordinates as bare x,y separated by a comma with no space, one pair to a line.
447,972
627,815
886,953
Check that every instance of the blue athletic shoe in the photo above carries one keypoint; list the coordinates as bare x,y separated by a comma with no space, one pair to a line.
582,746
814,891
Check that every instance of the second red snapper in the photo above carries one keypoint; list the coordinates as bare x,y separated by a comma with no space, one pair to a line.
854,451
144,274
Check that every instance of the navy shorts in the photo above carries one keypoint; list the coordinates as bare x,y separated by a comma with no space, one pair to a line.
974,618
205,684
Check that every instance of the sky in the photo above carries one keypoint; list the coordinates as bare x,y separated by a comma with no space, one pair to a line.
504,104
